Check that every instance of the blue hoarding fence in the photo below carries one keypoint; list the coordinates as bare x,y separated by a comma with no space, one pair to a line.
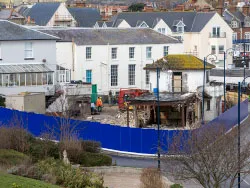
126,139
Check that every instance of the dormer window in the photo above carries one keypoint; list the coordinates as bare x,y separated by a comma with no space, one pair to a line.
143,25
180,29
179,25
234,24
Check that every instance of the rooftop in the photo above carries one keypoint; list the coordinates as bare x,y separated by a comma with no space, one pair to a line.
194,21
112,36
179,62
85,17
12,32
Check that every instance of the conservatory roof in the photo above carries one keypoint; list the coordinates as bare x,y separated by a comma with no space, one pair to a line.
24,68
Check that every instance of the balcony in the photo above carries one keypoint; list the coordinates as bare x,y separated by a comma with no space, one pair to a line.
63,18
217,35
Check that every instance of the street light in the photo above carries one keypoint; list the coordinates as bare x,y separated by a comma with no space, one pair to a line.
158,109
204,77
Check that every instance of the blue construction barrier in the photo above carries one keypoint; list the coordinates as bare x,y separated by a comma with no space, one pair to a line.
128,139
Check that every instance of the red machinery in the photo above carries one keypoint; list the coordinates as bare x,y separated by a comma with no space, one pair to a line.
126,94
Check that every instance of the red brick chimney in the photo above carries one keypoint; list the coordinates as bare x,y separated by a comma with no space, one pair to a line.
245,10
232,8
219,10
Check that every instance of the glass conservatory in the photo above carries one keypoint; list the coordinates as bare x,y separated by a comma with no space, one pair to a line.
25,75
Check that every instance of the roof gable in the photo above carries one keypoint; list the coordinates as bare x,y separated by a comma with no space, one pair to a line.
12,32
85,17
42,13
194,21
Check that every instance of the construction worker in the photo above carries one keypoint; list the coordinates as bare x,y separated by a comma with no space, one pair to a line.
99,104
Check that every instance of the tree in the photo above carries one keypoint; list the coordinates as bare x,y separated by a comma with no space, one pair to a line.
136,7
210,156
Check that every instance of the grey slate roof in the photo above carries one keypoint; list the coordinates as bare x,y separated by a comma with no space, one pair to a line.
194,21
239,15
41,13
85,17
112,36
12,32
108,23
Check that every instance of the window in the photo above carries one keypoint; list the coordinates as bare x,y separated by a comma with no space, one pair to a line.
114,53
148,52
247,24
180,29
88,52
216,32
131,74
177,82
88,76
221,49
234,36
147,77
28,51
213,49
247,47
165,50
234,24
162,30
208,105
131,52
114,75
207,76
247,35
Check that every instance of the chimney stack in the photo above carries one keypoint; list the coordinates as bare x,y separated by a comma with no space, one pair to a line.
219,10
245,10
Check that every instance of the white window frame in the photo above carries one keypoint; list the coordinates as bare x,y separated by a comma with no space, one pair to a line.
149,52
131,53
247,35
217,32
88,52
220,50
234,24
131,74
28,49
114,53
213,51
234,37
114,75
165,50
180,29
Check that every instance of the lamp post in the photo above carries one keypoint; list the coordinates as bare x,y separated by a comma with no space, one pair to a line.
204,78
239,91
158,120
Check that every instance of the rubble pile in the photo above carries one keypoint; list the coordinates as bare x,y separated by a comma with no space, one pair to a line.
121,118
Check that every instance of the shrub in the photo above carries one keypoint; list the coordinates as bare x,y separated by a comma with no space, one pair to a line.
14,137
151,178
69,177
91,146
94,159
10,158
41,149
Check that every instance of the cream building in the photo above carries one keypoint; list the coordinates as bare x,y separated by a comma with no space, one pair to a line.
202,33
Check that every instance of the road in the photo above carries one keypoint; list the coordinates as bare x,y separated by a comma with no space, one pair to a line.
149,162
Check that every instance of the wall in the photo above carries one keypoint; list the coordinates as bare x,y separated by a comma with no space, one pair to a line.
120,138
42,49
217,20
101,62
194,80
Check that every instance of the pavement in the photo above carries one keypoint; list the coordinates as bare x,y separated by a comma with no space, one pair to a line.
166,168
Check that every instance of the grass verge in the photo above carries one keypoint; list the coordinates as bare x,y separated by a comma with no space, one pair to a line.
12,181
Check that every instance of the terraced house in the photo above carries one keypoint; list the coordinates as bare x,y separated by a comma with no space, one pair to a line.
112,58
203,33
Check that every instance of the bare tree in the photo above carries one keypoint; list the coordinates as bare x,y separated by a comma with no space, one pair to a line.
210,156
